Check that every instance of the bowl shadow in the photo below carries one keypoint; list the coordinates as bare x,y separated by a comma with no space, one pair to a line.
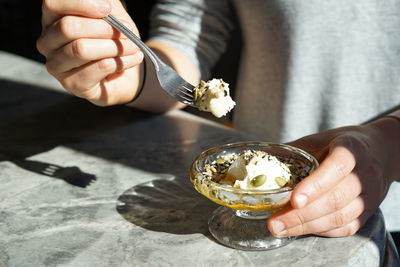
166,205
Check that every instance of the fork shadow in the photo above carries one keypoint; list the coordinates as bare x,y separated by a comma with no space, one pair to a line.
166,205
72,175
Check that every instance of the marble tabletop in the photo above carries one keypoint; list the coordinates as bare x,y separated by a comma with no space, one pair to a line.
89,186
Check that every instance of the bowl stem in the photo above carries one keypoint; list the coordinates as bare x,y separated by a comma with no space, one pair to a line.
230,228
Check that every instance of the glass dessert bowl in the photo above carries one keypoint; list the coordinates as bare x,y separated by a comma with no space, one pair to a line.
246,203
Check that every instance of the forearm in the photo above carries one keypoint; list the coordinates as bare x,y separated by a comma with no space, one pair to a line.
388,136
188,35
153,98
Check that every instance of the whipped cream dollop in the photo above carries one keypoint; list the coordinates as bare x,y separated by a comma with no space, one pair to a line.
213,96
254,169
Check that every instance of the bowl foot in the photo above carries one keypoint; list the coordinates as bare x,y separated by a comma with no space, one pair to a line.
242,232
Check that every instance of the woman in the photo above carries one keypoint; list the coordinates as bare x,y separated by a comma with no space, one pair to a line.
308,68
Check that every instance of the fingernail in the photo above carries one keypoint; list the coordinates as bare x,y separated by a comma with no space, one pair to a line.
301,200
278,227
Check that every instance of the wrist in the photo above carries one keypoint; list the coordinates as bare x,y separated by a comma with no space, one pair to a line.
142,80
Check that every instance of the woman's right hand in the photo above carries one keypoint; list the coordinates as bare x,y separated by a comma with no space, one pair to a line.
90,58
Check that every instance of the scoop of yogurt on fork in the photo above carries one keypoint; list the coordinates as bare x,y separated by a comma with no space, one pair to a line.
213,96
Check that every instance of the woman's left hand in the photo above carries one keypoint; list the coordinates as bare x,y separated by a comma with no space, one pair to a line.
357,166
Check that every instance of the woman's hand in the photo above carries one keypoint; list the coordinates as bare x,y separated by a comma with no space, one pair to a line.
90,58
358,164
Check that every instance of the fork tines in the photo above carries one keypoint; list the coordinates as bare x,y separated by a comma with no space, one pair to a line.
186,93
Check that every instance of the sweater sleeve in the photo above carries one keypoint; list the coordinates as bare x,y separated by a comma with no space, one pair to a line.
198,28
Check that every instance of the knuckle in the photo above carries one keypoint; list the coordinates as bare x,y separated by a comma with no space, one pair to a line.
78,49
339,219
339,168
303,230
349,146
317,186
67,26
300,218
336,199
106,65
299,230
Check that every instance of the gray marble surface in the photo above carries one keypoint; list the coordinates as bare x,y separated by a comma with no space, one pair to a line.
89,186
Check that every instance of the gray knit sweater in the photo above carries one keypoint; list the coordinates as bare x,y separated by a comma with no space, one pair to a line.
306,65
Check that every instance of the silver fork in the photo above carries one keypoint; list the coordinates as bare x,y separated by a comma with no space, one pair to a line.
169,80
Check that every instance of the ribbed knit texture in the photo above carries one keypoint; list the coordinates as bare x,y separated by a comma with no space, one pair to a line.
306,65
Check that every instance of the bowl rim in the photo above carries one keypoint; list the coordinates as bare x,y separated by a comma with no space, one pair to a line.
193,168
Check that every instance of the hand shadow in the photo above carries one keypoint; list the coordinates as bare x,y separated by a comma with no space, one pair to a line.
72,175
166,205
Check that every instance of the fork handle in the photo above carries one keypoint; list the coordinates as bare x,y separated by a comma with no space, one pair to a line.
128,33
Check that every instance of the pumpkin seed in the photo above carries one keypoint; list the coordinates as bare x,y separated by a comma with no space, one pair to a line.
280,181
195,95
220,161
259,180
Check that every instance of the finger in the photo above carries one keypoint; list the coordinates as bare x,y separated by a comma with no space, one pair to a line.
83,51
334,200
336,166
326,223
350,228
52,10
70,28
84,81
